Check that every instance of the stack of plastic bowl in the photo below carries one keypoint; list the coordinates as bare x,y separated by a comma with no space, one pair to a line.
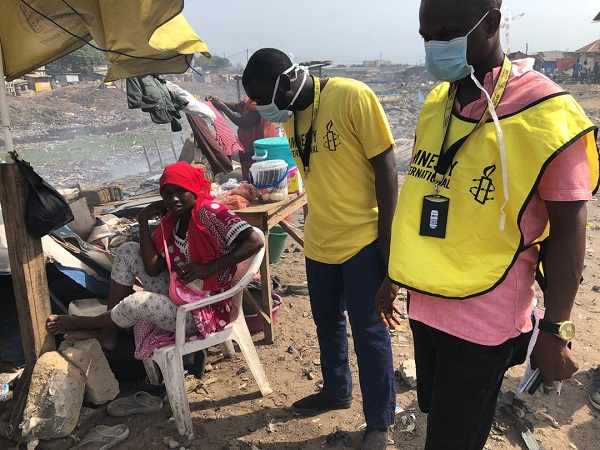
270,178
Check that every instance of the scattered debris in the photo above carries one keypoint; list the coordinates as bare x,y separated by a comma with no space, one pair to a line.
509,403
294,289
291,350
309,375
280,399
338,435
542,415
408,370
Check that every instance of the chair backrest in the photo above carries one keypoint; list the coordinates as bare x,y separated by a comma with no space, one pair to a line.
246,270
244,275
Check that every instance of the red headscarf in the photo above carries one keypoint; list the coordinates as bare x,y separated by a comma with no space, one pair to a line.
204,247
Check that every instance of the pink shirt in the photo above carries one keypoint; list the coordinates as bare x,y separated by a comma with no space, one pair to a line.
505,312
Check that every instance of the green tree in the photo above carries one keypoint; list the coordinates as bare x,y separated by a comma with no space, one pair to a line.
82,60
214,63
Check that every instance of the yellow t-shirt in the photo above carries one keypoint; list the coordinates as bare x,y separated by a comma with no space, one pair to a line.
350,128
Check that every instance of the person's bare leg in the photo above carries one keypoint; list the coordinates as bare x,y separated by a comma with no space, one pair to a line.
107,336
117,292
62,324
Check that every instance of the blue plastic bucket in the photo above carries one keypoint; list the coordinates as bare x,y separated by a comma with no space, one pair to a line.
273,148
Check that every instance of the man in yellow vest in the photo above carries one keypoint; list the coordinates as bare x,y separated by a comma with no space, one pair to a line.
341,140
503,159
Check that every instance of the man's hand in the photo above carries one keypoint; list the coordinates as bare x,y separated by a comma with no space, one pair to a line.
554,359
385,304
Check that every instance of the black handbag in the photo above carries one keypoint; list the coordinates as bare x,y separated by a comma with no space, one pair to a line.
45,209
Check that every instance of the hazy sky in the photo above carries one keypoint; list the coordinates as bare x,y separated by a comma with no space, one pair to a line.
354,30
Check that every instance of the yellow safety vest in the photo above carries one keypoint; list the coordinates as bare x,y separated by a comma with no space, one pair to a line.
476,255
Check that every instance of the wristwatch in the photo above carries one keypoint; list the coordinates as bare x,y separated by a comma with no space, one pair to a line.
564,330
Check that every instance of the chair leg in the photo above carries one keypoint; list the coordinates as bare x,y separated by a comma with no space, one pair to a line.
171,366
242,336
151,372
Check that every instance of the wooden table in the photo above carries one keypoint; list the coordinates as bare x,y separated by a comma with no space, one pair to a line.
264,216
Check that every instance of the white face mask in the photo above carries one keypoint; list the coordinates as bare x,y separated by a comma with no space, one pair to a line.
271,112
447,60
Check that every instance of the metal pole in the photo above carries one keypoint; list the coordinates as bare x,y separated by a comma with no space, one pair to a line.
162,164
174,151
147,158
8,141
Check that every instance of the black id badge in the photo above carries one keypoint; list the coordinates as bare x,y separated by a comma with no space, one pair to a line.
434,216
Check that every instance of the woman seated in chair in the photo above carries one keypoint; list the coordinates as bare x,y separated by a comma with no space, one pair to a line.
204,241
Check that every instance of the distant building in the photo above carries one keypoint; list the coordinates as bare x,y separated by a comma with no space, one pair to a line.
517,55
592,47
67,78
549,60
597,18
376,62
38,82
100,67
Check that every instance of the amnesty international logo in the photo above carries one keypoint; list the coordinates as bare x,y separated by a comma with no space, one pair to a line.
484,187
332,139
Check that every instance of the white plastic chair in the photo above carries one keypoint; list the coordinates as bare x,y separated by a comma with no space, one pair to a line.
169,359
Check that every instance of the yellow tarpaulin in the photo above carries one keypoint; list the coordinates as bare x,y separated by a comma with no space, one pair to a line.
154,32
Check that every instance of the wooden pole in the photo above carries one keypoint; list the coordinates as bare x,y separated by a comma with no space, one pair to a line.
28,268
174,151
147,158
28,271
162,164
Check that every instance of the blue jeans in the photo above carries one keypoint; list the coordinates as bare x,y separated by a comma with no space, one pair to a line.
352,286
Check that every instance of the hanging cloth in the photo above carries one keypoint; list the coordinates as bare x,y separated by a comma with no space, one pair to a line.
208,145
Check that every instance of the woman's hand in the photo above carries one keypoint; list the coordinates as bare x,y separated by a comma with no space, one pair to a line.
154,209
190,272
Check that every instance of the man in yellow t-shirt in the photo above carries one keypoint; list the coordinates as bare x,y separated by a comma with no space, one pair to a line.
340,136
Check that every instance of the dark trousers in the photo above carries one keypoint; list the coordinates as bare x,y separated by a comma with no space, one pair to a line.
352,286
458,384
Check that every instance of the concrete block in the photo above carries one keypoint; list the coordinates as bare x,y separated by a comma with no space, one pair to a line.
55,398
101,386
408,369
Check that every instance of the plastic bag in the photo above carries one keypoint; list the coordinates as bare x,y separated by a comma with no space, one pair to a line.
45,209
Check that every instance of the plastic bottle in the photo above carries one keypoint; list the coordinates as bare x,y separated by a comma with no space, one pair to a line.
3,391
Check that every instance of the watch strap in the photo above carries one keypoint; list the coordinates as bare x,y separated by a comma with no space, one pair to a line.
549,327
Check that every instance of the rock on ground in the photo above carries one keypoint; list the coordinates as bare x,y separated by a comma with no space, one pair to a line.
408,369
101,386
55,398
